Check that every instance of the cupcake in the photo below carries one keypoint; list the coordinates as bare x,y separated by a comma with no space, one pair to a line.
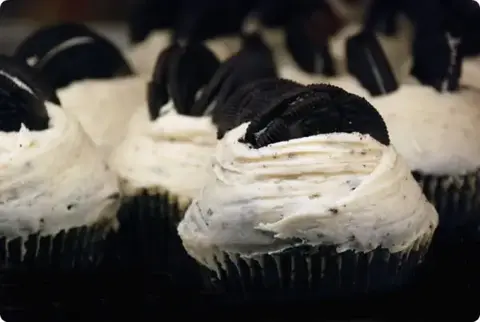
175,138
161,162
307,199
432,119
92,78
59,200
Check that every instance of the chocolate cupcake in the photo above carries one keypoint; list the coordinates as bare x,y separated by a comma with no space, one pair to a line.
175,138
59,200
162,163
92,78
308,199
432,119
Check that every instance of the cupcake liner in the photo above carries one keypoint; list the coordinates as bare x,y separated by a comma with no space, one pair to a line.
457,200
45,273
148,241
314,271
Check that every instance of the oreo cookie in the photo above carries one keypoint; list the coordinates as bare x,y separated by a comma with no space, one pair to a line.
312,110
22,102
307,37
437,58
70,52
181,72
367,61
253,62
248,102
33,77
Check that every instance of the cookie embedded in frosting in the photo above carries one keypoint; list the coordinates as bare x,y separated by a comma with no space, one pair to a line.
367,61
181,72
437,58
307,39
65,53
253,62
53,176
248,102
31,76
333,179
313,110
23,103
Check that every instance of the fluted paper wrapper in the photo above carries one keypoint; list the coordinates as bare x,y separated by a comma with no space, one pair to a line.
148,242
314,272
457,200
48,273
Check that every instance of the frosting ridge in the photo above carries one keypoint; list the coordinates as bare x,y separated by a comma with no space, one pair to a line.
104,107
172,152
343,189
53,179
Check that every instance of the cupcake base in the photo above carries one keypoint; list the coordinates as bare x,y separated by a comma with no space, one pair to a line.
43,273
457,200
148,242
314,272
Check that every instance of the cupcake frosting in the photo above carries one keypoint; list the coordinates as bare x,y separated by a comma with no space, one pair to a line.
345,189
172,152
435,132
104,107
53,179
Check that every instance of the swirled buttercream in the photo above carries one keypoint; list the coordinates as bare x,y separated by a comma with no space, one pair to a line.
342,189
53,179
435,132
105,107
172,152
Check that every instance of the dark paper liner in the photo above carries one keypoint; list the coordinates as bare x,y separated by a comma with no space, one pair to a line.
457,200
314,272
148,243
46,274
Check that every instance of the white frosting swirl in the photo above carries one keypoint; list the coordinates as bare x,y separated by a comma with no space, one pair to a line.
342,189
104,107
171,152
53,179
435,132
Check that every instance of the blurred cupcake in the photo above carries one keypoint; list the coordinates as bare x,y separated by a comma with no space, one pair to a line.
164,159
92,78
161,163
58,202
316,43
308,199
432,119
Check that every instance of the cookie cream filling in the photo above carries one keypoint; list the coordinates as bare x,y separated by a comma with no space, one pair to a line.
104,107
173,153
53,180
333,189
144,55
